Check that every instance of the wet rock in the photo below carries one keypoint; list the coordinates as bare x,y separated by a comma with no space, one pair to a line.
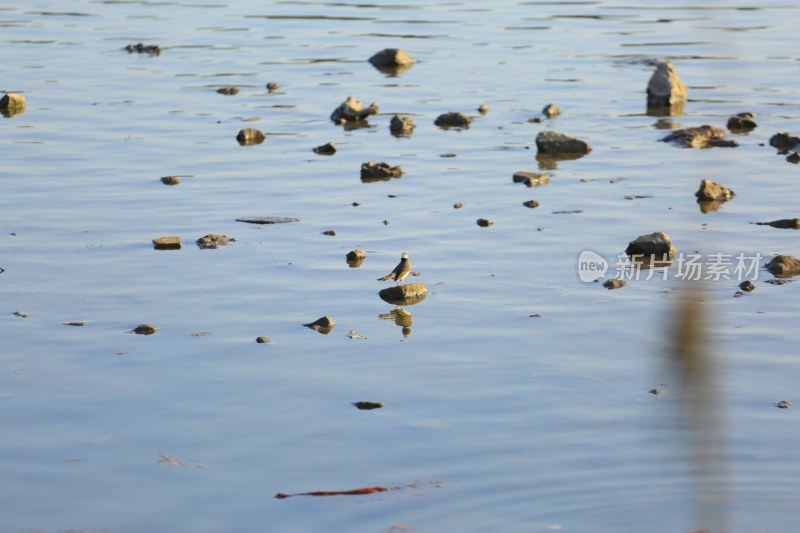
741,122
551,111
263,340
784,223
212,241
484,222
405,294
329,233
401,125
453,120
614,283
250,136
326,149
784,142
228,91
167,243
553,142
170,180
392,61
783,404
144,329
323,325
747,286
77,324
783,266
352,110
531,203
386,222
12,103
655,392
483,109
710,191
458,205
379,171
666,92
655,244
530,179
272,86
704,136
794,157
267,220
21,314
366,406
355,258
141,48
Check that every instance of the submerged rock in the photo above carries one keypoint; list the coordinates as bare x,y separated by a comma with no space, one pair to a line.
710,191
323,325
784,223
352,110
326,149
654,244
401,125
783,266
366,406
553,142
167,243
250,136
453,120
379,171
741,122
141,48
530,179
704,136
666,92
228,91
212,241
144,329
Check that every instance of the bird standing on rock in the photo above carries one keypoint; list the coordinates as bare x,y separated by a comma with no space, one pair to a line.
400,271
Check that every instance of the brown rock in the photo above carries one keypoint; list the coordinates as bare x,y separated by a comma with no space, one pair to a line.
170,180
614,283
655,244
794,157
700,137
263,340
747,286
12,101
330,233
741,122
167,243
355,258
323,325
352,110
228,91
453,120
212,240
531,203
666,89
379,171
458,205
145,329
784,223
710,191
391,58
272,86
250,136
483,109
401,125
553,142
404,294
784,266
326,149
551,111
530,179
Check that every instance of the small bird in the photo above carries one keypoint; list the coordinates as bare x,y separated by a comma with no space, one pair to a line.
400,271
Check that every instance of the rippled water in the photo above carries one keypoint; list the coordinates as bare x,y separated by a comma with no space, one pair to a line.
517,398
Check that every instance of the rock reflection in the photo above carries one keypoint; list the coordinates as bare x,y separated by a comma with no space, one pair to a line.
550,161
401,317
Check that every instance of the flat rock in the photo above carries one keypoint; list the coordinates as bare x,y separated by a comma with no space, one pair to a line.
784,223
379,171
144,329
212,241
710,191
250,137
453,120
783,266
530,179
553,142
141,48
404,294
704,136
741,122
666,91
401,125
170,242
352,110
267,220
654,244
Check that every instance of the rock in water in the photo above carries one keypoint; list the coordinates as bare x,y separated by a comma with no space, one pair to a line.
250,136
453,120
324,325
379,171
401,125
391,58
212,241
655,244
741,122
614,283
355,258
531,179
352,110
784,142
710,191
784,266
12,101
145,329
326,149
553,142
407,294
551,111
666,91
704,136
167,243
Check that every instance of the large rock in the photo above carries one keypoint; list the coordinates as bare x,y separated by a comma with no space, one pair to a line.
405,294
392,61
784,266
655,244
704,136
453,120
710,191
553,142
352,110
666,90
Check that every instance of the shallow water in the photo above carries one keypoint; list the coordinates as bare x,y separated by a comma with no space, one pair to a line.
493,419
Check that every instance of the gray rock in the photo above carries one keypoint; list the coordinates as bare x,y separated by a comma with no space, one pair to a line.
655,244
666,89
267,220
553,142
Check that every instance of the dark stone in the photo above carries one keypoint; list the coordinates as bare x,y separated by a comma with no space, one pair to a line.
747,285
326,149
484,222
145,329
250,136
267,220
614,283
553,142
700,137
453,120
783,266
141,48
228,91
